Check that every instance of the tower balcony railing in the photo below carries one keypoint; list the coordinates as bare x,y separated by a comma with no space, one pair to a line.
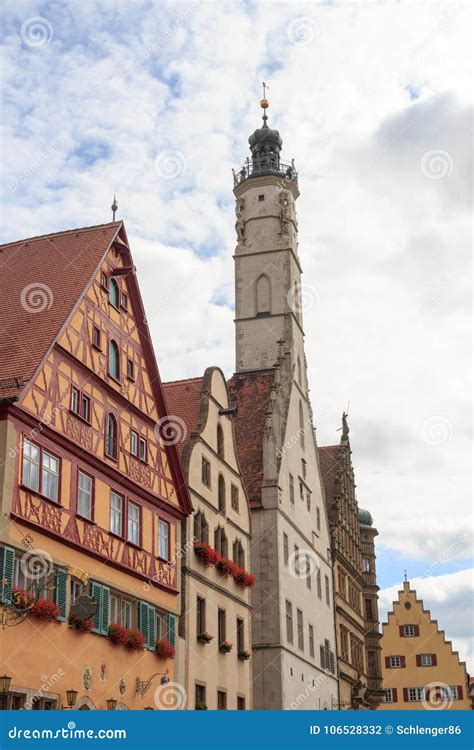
265,166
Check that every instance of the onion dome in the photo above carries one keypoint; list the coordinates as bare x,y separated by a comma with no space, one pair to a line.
365,518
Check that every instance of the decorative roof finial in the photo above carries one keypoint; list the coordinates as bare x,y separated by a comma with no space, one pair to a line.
114,207
405,574
345,426
264,103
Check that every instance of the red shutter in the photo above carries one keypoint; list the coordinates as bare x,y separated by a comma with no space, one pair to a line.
417,629
387,662
428,693
405,695
400,628
394,695
402,661
460,693
418,660
433,660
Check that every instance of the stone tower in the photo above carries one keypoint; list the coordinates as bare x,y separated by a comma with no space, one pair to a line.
293,630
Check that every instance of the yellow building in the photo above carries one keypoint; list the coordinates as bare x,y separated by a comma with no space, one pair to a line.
91,490
420,670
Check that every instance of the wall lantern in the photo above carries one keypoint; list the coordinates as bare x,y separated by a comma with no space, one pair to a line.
71,696
5,682
111,704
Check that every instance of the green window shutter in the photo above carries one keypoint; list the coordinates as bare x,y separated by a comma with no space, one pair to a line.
172,629
104,620
143,620
151,628
61,592
96,594
7,566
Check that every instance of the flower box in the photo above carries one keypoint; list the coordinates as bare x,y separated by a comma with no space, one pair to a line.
225,647
117,634
164,649
205,637
245,579
207,554
200,706
227,567
134,639
244,655
83,626
45,610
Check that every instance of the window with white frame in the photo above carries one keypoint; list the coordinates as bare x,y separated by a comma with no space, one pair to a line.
84,495
134,443
426,660
454,692
50,476
133,526
31,465
416,694
388,695
116,514
121,610
395,661
163,540
143,446
409,630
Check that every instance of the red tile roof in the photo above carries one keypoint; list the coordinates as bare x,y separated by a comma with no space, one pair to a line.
183,398
41,279
251,392
329,466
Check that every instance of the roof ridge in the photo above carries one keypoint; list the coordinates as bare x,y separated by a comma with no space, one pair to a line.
64,231
183,380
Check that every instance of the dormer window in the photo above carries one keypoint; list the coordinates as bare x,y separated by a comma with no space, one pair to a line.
114,293
104,280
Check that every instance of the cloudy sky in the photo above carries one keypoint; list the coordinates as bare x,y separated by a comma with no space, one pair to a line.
155,101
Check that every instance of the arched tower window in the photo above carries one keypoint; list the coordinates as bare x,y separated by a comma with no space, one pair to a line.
263,294
301,426
111,436
220,441
114,293
201,528
298,371
221,494
220,541
238,554
114,360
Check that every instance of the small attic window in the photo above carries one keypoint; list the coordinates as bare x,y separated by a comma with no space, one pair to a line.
104,280
124,301
261,197
114,293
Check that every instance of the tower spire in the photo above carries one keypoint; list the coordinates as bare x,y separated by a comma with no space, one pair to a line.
114,207
264,103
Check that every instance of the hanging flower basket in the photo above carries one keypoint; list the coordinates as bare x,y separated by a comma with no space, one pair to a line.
134,639
207,554
45,610
83,626
244,655
164,649
205,637
225,647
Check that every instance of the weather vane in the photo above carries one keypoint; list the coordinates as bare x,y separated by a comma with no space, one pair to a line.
405,574
264,89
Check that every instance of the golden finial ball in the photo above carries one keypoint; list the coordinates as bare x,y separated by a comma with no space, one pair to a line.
264,103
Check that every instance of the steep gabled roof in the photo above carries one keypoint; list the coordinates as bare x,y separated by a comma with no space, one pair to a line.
41,279
329,464
251,392
183,398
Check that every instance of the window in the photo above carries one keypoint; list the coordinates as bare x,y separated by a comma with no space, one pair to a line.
161,623
344,637
299,622
261,198
292,489
240,635
220,541
234,497
285,548
289,622
318,583
134,443
104,280
114,293
318,519
116,514
409,630
96,337
85,407
220,441
416,694
389,695
326,584
238,555
221,626
77,589
31,465
201,528
124,301
327,658
130,369
301,421
133,527
85,487
50,476
369,610
200,615
426,660
341,583
455,692
298,369
240,703
143,447
205,472
366,565
111,436
221,700
221,494
311,641
357,653
163,540
75,399
114,360
80,403
121,610
200,696
395,661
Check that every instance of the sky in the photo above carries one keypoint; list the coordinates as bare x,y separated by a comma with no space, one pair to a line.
154,101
